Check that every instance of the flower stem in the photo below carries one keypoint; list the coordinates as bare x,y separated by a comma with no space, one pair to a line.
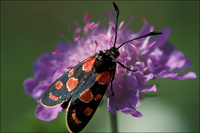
113,123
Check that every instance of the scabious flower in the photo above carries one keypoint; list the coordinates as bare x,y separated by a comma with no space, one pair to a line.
153,57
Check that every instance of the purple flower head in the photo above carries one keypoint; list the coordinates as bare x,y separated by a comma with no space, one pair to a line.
153,57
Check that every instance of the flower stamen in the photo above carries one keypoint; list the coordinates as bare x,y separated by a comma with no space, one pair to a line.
121,25
77,38
150,45
103,36
86,17
56,52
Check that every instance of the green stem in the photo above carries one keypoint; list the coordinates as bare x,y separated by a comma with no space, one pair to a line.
113,123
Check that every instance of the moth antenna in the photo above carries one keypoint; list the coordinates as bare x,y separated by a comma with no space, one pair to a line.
149,34
116,20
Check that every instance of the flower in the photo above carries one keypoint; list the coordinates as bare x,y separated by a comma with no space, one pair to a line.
153,57
124,98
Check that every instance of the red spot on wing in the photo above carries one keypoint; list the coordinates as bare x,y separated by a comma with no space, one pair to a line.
71,83
88,111
58,85
53,97
86,96
71,72
97,97
103,77
77,121
88,64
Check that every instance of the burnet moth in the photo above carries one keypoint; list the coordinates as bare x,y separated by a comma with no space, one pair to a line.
81,89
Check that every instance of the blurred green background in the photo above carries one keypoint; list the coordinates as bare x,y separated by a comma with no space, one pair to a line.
30,28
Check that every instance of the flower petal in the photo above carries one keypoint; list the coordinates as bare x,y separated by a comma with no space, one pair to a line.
132,111
29,85
188,75
167,48
150,65
161,39
140,77
134,98
177,61
166,74
41,87
133,81
144,88
122,83
175,76
45,66
47,114
148,77
144,30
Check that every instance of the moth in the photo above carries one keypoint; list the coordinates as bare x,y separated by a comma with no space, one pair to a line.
80,90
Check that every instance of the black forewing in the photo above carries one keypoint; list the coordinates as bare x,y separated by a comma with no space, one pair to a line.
63,94
79,106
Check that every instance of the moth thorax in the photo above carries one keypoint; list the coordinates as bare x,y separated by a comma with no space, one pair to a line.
104,61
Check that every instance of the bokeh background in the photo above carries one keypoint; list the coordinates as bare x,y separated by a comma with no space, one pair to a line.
30,28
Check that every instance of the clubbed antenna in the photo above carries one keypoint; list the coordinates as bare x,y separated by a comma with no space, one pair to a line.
149,34
116,20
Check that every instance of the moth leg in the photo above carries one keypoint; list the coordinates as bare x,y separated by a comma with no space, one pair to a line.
126,67
112,84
